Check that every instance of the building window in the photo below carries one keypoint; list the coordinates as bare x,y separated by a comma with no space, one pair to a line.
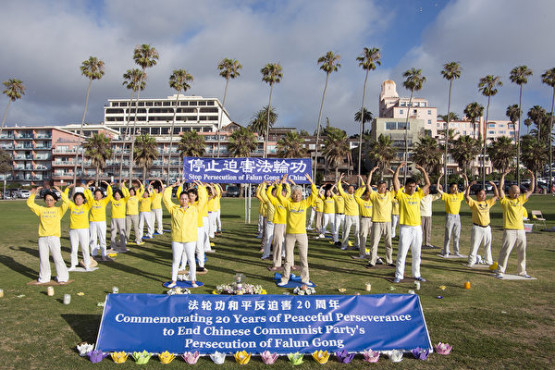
403,104
402,125
401,111
414,111
429,112
491,132
491,125
391,125
429,122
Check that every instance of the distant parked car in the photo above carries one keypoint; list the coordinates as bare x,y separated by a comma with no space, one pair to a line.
232,191
24,194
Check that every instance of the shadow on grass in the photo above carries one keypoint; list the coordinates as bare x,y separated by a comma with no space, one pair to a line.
85,326
18,267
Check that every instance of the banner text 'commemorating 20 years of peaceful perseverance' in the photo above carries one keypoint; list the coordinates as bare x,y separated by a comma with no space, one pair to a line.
245,170
278,323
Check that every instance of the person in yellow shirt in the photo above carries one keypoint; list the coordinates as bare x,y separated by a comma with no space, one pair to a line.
145,214
117,222
339,216
394,217
213,197
351,213
269,222
198,197
296,208
328,212
184,231
78,227
319,204
279,221
362,197
261,215
218,208
49,235
97,219
156,208
513,225
132,197
453,201
410,231
481,231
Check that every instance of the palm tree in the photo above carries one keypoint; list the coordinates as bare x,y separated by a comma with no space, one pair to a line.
488,87
258,123
548,78
367,61
528,122
451,116
464,150
14,91
190,145
6,162
414,81
501,152
271,74
336,148
144,56
474,111
534,153
513,112
229,68
179,81
519,75
329,64
450,72
93,69
537,114
146,152
427,153
98,149
382,152
241,143
291,145
134,80
362,116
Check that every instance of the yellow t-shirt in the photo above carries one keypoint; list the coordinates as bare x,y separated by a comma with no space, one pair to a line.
98,207
452,202
132,201
329,205
280,213
319,203
296,211
200,203
382,205
270,209
409,207
118,207
217,204
480,211
512,212
395,206
49,217
145,203
339,204
183,221
156,200
351,205
78,215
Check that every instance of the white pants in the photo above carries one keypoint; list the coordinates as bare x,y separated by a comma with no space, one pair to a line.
218,221
145,218
211,224
339,225
394,222
380,229
480,236
312,216
184,251
268,237
409,237
51,245
79,237
329,219
279,243
350,221
98,231
157,222
199,249
117,226
452,231
365,229
260,225
302,241
206,238
513,239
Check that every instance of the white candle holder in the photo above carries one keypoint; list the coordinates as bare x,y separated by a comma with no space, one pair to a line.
67,298
50,291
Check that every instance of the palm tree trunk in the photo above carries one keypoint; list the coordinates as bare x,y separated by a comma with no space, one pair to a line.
550,142
447,136
125,136
268,122
220,118
407,137
318,130
131,161
362,125
518,139
171,140
144,174
97,174
484,147
81,133
5,115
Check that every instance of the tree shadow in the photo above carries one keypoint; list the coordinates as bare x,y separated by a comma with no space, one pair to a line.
18,267
85,326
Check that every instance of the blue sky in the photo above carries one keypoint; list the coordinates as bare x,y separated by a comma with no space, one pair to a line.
486,37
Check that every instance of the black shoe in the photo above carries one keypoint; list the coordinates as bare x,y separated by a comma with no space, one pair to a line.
391,264
379,261
369,266
201,269
337,244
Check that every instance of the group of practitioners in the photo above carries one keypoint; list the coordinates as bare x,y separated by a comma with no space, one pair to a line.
374,214
134,207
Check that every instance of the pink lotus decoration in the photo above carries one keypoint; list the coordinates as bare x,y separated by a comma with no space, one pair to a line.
420,353
344,357
191,357
443,348
97,356
269,358
371,356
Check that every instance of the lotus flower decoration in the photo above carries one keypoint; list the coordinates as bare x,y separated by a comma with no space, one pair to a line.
97,356
218,357
420,353
166,357
141,358
395,355
371,356
119,357
242,357
269,358
321,357
191,357
443,348
344,357
295,358
84,348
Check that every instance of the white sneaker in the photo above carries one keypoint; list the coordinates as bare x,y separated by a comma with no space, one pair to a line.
499,275
194,285
282,283
72,268
172,285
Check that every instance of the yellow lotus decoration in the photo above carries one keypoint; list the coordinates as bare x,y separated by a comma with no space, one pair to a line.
242,357
321,357
119,357
166,357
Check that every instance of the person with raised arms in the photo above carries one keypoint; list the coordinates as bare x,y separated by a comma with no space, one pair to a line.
410,231
269,224
339,217
280,222
426,215
212,211
97,219
328,213
156,209
296,208
351,213
49,235
362,197
118,221
453,201
197,197
145,213
481,231
218,208
132,197
513,225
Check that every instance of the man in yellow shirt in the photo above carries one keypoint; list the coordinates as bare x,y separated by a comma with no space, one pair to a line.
280,223
351,214
339,217
410,231
362,197
296,208
145,214
453,202
117,222
513,225
156,208
132,197
481,231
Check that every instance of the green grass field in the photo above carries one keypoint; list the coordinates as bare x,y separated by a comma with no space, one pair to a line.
495,324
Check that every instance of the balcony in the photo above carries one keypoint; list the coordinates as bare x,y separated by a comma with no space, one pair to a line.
64,163
7,136
43,147
43,136
24,136
42,157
